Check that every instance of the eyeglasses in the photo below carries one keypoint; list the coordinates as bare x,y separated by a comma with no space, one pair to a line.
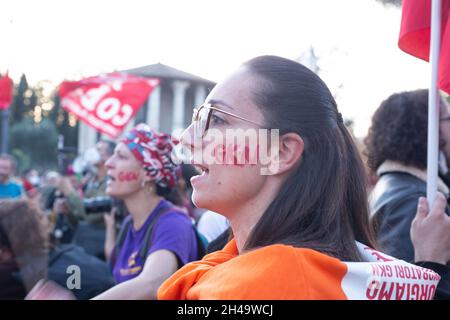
445,119
202,116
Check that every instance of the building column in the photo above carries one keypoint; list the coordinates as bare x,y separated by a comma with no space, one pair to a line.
200,95
87,137
153,108
179,92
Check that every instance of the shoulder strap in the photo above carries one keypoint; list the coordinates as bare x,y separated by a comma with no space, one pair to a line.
201,240
123,232
120,240
149,232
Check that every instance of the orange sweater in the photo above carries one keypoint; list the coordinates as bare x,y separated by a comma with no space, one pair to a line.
285,272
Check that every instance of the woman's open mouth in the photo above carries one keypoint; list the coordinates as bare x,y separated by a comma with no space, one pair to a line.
195,180
110,179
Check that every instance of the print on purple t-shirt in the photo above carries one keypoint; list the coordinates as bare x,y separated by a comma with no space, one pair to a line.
172,231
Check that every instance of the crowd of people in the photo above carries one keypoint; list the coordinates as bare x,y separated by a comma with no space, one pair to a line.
318,224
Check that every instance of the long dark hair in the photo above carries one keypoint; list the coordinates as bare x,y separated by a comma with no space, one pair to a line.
323,204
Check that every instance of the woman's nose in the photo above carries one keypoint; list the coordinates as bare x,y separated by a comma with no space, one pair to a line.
187,139
109,163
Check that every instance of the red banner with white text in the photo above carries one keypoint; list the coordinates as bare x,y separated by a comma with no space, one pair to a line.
106,102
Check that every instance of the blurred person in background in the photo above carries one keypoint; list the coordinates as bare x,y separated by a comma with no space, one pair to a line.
64,206
396,147
23,248
212,225
8,188
31,182
90,233
24,260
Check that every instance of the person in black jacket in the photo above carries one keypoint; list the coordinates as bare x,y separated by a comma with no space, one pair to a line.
396,148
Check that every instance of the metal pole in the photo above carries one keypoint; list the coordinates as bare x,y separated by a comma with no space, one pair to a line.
433,103
5,131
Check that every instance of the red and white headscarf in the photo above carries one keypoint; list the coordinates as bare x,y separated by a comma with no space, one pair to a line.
153,150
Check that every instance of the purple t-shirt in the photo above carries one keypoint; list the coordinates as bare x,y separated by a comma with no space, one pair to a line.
172,231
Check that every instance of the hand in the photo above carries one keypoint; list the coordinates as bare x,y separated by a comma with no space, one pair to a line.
430,231
49,290
65,185
60,206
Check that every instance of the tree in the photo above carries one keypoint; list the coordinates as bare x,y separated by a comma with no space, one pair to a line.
35,141
66,123
36,121
25,100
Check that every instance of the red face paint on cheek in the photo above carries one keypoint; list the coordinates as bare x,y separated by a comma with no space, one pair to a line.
251,158
128,176
219,154
235,155
245,156
232,157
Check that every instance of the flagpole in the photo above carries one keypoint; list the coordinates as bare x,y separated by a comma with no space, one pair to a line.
6,112
5,129
433,103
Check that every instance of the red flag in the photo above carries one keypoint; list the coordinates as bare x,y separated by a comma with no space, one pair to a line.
415,35
106,102
6,92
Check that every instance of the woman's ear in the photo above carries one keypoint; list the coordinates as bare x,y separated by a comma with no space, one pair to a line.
146,177
290,150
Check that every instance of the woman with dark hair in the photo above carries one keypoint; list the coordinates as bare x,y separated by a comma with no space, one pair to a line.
396,148
298,218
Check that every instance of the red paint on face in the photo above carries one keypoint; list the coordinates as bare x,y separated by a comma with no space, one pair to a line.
248,158
237,161
127,176
235,155
220,154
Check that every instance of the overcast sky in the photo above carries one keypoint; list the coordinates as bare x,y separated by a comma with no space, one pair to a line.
356,41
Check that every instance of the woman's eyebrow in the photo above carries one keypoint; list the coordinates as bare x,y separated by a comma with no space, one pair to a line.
220,102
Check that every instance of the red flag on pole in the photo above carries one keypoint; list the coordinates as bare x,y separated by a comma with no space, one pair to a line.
6,92
106,102
415,35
